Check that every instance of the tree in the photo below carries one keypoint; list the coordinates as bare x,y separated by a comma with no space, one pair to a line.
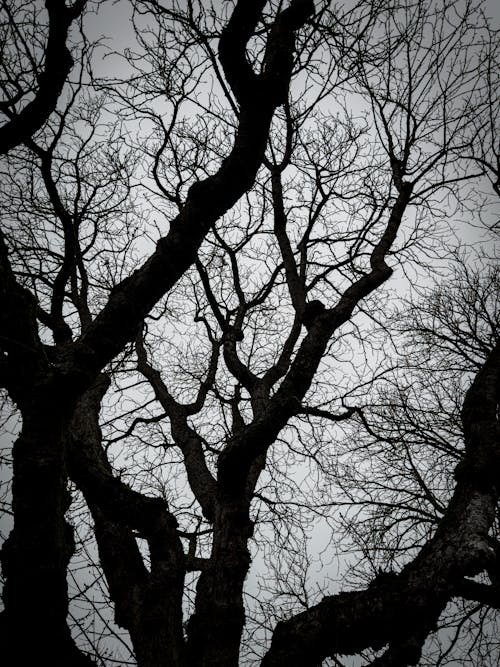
196,398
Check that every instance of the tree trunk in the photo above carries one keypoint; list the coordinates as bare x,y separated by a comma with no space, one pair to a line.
215,629
36,554
147,604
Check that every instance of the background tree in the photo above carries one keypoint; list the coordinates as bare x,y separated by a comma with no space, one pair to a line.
198,399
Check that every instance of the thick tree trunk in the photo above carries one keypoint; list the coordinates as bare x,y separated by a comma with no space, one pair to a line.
147,604
215,629
36,554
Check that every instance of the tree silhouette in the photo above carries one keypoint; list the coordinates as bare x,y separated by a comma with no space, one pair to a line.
222,332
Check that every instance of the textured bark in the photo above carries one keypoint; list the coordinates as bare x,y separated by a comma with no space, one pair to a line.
148,603
403,610
214,631
59,391
215,628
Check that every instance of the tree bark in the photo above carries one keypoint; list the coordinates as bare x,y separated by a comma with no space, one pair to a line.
402,610
148,603
36,554
215,628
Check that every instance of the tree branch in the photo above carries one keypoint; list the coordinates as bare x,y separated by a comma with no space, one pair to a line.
200,478
58,64
409,604
207,200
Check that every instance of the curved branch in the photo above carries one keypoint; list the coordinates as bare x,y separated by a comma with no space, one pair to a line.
58,64
200,478
207,200
147,603
238,457
409,604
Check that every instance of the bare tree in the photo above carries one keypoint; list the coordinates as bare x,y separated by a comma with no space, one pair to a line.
198,397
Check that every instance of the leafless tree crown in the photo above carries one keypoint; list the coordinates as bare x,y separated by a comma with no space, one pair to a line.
249,327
